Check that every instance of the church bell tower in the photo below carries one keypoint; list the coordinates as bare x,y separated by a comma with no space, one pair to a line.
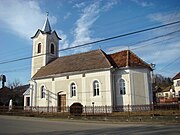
45,47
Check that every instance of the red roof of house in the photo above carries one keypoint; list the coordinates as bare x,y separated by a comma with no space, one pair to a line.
91,60
127,58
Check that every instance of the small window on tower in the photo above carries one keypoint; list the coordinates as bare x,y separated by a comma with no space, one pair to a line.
52,48
39,48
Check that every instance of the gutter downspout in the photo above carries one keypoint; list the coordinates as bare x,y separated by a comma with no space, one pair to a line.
114,102
34,88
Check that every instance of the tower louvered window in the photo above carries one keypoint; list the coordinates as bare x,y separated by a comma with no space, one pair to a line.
39,48
52,48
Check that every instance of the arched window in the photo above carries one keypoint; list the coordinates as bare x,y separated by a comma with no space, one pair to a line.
73,89
39,48
42,92
52,48
95,88
122,87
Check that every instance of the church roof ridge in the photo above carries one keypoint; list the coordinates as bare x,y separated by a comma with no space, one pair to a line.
126,58
91,60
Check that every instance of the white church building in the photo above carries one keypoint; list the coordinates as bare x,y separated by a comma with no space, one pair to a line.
89,78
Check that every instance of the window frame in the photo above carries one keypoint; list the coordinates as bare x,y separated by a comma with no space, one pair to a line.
73,89
178,83
28,101
122,86
39,48
96,88
43,93
52,48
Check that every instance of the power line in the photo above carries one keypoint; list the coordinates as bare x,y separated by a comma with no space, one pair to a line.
150,39
27,67
178,58
122,35
97,41
157,37
154,42
110,24
123,20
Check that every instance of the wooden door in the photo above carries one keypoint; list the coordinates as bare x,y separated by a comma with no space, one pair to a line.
62,102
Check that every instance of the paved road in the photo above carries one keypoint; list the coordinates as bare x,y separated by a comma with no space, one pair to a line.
34,126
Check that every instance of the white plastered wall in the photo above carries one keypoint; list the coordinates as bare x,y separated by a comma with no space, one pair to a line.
61,85
176,87
141,90
137,84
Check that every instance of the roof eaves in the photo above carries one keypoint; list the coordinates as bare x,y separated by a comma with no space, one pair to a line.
57,35
27,92
37,33
71,73
177,76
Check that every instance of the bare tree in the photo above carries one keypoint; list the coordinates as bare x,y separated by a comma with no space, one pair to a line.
14,84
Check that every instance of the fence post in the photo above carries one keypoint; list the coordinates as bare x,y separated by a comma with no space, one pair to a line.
85,110
106,109
68,109
128,111
38,109
152,108
93,107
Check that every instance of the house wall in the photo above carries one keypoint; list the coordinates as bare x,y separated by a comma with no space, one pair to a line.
176,87
61,85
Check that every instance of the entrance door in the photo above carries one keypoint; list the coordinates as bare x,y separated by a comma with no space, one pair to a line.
27,101
62,102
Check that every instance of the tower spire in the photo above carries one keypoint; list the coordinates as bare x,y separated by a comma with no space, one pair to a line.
46,28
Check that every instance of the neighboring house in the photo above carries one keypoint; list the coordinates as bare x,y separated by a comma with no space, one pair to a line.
5,96
176,82
90,78
166,95
18,98
156,89
15,94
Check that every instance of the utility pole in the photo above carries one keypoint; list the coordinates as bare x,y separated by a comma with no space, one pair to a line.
153,83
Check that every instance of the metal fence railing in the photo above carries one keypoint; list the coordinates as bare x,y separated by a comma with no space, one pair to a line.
92,110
